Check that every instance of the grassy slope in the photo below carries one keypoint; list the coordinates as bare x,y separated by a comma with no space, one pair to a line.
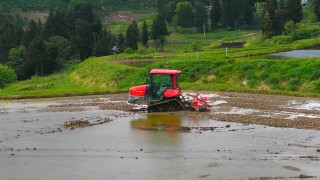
94,75
242,70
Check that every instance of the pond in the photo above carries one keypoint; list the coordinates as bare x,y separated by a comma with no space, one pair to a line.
300,54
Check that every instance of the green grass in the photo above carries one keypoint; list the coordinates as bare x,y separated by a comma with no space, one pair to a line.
95,75
243,70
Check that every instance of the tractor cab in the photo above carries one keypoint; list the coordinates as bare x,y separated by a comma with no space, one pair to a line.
161,84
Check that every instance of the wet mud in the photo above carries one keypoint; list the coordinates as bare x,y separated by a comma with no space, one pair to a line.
244,136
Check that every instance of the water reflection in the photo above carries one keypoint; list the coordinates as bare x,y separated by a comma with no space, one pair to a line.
158,128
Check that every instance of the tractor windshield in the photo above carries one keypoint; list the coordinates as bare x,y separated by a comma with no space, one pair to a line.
158,84
162,80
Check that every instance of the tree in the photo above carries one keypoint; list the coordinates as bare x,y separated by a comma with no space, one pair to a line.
247,12
17,61
103,47
169,11
316,8
294,10
184,15
160,5
132,36
35,56
282,5
215,14
144,34
31,31
63,50
10,36
268,21
84,12
201,17
227,18
266,25
159,31
121,43
7,76
59,23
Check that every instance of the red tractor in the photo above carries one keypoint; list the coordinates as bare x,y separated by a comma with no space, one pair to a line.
162,93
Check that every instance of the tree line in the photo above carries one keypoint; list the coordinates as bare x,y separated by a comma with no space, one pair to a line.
208,14
43,48
67,37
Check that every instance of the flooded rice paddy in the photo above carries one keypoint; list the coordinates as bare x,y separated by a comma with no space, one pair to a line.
98,137
300,54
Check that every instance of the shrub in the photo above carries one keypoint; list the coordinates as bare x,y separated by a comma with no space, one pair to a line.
196,46
128,51
305,33
283,39
317,86
7,76
293,84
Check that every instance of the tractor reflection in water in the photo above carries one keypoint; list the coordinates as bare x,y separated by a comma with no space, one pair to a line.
158,122
159,129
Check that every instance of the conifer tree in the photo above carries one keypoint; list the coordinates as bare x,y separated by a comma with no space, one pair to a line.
247,12
121,43
159,27
133,36
227,18
294,10
268,20
144,34
215,14
31,31
159,31
316,8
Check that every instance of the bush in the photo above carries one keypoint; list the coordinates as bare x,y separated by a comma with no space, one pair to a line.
305,33
283,39
7,76
293,84
317,86
196,46
128,51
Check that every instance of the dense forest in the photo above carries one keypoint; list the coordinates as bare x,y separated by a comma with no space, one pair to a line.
73,30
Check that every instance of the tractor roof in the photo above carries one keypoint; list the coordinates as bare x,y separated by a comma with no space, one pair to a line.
165,71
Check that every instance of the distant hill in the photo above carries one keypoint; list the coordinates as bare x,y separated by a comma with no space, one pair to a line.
104,6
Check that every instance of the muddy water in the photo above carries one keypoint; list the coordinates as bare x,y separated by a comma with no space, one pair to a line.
35,144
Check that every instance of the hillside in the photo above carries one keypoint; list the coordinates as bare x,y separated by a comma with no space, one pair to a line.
104,6
206,63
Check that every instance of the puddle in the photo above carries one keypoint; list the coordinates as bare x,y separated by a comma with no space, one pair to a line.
215,103
309,105
289,115
240,111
